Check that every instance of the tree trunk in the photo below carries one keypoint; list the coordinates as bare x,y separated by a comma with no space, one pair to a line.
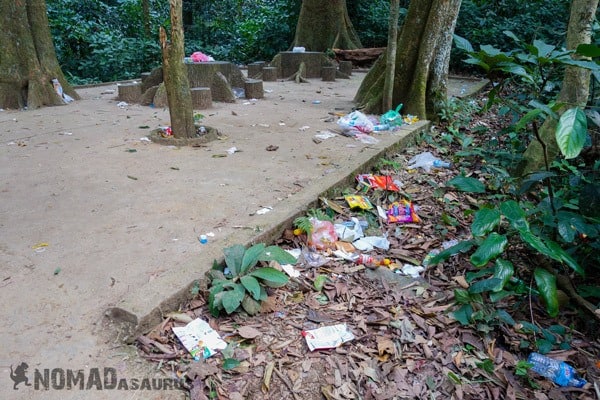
28,62
421,61
574,91
175,76
325,25
390,67
146,17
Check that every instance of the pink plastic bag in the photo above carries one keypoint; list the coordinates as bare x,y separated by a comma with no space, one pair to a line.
323,234
198,56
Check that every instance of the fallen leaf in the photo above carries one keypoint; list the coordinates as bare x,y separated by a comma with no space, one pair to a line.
248,332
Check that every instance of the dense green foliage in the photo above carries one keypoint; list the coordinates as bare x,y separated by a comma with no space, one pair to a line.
105,40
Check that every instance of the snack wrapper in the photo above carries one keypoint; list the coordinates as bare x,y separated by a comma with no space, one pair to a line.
327,337
199,339
402,212
356,201
383,182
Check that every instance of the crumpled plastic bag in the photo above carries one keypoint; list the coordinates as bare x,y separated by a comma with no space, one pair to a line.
392,117
356,121
349,231
199,56
322,235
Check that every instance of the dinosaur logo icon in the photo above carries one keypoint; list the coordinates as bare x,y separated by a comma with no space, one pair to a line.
19,375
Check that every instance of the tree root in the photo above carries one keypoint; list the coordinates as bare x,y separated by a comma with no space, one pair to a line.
565,284
299,76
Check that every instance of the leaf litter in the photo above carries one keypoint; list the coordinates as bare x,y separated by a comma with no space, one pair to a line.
406,343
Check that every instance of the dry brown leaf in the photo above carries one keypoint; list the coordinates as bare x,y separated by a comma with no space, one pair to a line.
248,332
267,376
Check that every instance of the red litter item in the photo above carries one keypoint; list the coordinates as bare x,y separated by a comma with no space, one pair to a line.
383,182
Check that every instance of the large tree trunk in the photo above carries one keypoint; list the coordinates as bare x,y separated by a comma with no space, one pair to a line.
325,25
421,61
574,91
175,76
28,61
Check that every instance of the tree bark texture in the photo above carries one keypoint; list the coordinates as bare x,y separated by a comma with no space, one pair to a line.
325,25
175,76
28,61
390,66
421,61
575,86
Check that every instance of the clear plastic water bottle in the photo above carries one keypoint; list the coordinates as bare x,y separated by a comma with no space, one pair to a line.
557,371
426,161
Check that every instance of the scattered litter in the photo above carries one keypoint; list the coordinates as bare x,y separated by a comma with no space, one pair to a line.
402,212
282,124
264,210
166,131
122,104
57,271
200,340
324,135
367,243
392,117
322,234
327,337
290,270
66,133
313,259
40,247
264,125
304,128
356,121
145,139
316,102
232,150
132,177
130,150
59,91
203,239
349,231
358,201
366,139
369,181
410,270
426,161
298,49
410,119
198,57
272,147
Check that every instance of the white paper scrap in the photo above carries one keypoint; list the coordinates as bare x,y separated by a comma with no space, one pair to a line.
199,339
327,337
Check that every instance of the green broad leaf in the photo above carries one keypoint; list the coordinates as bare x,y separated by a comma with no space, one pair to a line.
251,257
460,247
251,306
497,296
511,35
533,179
230,363
485,221
486,285
463,314
571,132
462,296
276,253
252,286
463,44
548,109
503,271
566,230
527,118
215,303
233,258
546,284
320,282
466,184
561,255
505,317
491,248
543,49
535,242
515,215
580,63
544,346
231,299
588,50
270,276
487,365
588,291
514,69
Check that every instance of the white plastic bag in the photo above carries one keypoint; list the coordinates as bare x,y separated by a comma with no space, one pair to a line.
356,121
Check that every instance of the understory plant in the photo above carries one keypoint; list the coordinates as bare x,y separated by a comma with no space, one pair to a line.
241,283
543,216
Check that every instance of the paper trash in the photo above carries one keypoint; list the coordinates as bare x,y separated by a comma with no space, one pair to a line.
199,339
327,337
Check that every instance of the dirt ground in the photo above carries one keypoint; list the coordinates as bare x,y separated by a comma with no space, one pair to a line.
93,215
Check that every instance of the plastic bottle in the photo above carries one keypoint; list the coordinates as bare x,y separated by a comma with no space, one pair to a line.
381,127
427,161
557,371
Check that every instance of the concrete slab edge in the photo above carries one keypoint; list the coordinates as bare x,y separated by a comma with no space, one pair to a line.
137,313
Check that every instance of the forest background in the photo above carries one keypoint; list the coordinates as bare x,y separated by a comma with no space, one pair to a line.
109,40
